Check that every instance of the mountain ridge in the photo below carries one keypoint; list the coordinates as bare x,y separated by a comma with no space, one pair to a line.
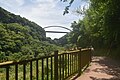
8,17
21,39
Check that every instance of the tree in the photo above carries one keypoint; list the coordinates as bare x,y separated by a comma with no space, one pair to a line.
102,22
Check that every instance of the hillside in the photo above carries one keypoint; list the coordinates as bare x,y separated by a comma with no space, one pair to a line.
36,30
21,39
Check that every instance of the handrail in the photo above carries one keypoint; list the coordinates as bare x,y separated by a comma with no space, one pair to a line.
12,62
57,66
7,63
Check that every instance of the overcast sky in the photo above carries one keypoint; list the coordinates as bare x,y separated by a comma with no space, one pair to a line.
44,12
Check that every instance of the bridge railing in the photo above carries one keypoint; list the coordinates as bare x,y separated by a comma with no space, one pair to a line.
54,67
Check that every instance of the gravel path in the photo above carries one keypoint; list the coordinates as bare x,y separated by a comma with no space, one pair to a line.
102,68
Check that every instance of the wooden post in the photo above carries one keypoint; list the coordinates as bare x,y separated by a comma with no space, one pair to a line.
31,70
37,71
16,72
79,62
7,73
63,67
56,65
91,55
24,71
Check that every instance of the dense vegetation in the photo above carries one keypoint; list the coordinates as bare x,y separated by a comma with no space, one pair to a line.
100,26
21,39
36,31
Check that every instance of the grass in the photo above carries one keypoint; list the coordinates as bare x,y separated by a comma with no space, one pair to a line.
73,63
112,53
20,72
100,52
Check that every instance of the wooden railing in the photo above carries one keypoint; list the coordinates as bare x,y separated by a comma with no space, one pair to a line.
54,67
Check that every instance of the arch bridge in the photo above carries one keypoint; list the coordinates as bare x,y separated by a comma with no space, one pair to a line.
57,31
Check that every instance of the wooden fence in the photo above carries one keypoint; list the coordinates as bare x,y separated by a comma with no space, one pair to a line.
54,67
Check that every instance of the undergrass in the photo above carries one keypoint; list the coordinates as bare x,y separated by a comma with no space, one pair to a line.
112,53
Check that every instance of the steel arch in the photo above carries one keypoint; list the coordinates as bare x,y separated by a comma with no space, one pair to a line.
57,31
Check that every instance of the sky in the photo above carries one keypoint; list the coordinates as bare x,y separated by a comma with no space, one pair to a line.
44,13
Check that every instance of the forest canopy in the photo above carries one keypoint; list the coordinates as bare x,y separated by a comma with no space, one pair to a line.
22,39
100,26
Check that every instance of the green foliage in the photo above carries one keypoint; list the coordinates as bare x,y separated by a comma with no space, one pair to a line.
101,26
36,31
22,39
61,41
102,18
16,42
67,7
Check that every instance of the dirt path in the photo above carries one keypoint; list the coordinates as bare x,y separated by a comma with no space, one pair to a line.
102,68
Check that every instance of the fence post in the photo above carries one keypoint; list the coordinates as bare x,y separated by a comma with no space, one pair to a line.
7,72
56,65
91,55
79,62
